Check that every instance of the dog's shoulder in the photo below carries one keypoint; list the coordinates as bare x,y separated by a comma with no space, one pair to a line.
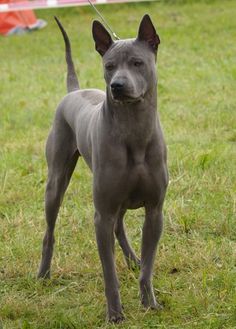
83,97
93,96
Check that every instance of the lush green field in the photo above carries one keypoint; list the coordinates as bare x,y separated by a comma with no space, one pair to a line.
195,269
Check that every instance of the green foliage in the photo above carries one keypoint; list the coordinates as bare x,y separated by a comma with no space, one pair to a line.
195,271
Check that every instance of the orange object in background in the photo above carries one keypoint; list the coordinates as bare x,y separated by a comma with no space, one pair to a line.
19,22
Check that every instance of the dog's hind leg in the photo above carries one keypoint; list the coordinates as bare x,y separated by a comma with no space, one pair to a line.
62,157
131,259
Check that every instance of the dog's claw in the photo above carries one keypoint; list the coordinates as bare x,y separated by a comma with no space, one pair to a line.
157,307
42,275
116,318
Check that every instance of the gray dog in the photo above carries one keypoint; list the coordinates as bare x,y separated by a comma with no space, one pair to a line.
118,133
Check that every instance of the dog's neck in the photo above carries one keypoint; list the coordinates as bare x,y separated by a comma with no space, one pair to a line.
135,121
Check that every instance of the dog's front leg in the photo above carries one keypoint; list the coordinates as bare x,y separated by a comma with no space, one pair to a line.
151,234
104,226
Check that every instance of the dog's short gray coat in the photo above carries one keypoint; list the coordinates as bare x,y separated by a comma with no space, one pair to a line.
118,133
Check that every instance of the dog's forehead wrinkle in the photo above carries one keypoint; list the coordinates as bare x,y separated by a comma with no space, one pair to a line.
126,49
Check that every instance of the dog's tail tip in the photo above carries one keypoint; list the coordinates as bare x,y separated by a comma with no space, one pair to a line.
58,23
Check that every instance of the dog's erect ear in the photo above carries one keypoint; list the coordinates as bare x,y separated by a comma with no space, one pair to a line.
148,33
102,38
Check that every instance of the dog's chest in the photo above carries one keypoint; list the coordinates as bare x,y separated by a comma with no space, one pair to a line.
141,182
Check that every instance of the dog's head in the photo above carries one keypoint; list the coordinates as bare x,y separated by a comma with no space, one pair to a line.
129,65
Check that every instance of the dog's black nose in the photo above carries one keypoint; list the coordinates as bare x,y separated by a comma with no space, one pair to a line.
117,86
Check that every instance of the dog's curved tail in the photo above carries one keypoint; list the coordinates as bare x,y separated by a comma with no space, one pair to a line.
72,80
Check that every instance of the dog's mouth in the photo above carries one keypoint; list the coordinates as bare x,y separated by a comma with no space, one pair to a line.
126,99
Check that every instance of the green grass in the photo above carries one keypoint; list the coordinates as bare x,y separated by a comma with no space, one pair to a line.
195,269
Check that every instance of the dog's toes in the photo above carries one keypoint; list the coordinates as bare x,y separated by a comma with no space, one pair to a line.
116,318
43,275
157,307
153,305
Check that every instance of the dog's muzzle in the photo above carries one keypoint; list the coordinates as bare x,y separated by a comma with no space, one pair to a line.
120,94
117,89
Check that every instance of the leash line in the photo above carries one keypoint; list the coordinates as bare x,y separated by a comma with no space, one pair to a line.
104,21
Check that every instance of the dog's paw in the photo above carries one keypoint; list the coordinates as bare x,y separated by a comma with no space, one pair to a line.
43,275
156,306
151,304
116,318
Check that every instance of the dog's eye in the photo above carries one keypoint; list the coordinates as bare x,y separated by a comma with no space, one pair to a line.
110,66
138,63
